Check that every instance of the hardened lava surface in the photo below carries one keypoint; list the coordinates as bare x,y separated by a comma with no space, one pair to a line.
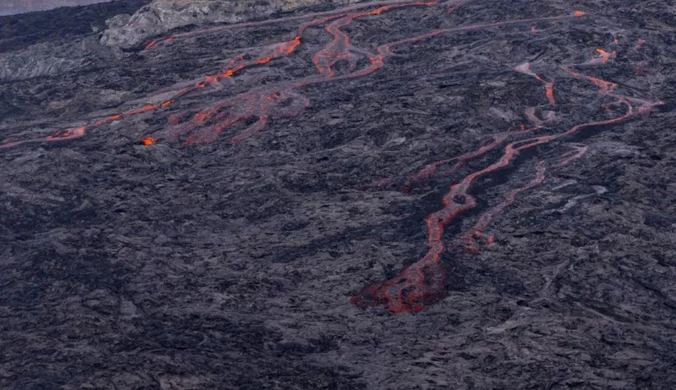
389,195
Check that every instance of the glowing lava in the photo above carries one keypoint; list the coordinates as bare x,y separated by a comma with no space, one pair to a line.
604,55
549,85
264,104
423,282
469,238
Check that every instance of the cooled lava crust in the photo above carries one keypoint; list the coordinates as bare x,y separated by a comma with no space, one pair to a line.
389,195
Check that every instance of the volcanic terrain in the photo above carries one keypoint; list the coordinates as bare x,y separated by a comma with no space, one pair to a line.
399,194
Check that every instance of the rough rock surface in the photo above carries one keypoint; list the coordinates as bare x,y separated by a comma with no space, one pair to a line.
230,265
27,50
9,7
161,16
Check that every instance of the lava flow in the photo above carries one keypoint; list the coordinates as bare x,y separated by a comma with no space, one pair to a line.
421,283
424,281
549,85
281,100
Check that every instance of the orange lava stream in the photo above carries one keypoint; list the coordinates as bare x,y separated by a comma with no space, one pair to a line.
477,230
263,103
497,140
423,282
549,85
430,169
280,100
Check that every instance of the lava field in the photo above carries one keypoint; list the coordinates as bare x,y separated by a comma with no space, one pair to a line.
396,194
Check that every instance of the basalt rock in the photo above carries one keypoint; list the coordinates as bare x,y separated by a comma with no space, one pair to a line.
472,194
9,7
28,49
162,16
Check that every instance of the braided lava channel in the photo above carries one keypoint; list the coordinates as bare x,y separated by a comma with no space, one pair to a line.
279,100
424,281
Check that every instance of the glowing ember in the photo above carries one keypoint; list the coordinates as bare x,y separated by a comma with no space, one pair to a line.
605,56
67,134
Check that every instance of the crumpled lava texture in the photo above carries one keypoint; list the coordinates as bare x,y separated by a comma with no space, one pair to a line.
162,16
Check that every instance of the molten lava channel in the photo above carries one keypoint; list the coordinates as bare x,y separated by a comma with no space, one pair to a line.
424,281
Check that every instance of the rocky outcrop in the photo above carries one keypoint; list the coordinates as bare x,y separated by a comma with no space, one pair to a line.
46,59
162,16
54,42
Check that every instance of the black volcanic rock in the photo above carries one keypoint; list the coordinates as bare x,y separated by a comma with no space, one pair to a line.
246,207
21,31
9,7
